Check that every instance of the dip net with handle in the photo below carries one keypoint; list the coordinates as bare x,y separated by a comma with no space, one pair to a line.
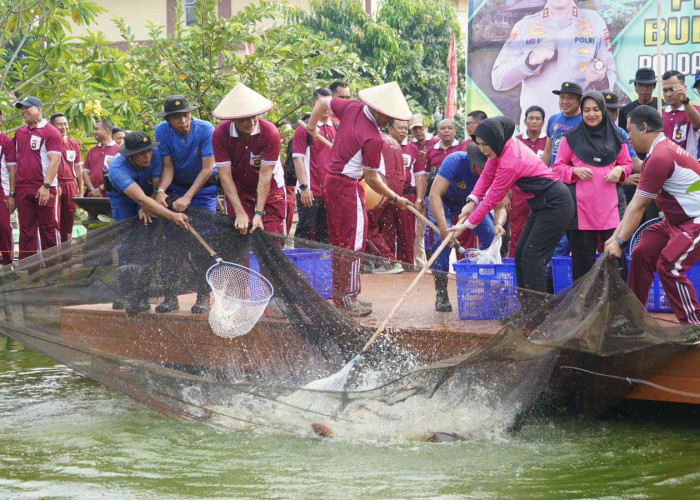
240,298
426,374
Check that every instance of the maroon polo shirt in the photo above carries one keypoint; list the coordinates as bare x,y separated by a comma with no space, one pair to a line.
391,164
34,147
317,156
245,155
413,165
358,143
97,159
8,157
436,154
70,157
677,127
666,174
537,146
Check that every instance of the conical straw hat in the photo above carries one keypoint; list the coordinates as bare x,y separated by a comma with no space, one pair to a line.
387,99
241,102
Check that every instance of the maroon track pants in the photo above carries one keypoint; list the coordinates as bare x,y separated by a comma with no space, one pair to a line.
347,228
670,251
381,231
37,224
7,244
406,237
275,208
66,217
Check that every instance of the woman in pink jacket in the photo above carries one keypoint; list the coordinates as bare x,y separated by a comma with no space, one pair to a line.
592,159
513,165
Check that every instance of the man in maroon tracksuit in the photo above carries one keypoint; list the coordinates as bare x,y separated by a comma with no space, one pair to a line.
672,246
39,147
247,154
414,187
383,220
8,171
357,153
98,158
69,172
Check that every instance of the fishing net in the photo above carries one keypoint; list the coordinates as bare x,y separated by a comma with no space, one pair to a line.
429,372
240,297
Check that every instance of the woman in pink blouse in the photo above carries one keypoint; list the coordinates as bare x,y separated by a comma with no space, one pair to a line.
592,159
512,165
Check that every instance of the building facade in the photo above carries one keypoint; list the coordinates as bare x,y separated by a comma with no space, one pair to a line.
137,13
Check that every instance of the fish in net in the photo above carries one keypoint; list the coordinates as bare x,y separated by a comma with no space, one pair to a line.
419,378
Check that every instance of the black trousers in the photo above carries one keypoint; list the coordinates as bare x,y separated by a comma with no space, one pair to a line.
584,245
551,215
313,218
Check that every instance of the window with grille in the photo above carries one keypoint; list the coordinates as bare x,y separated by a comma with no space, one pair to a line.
190,17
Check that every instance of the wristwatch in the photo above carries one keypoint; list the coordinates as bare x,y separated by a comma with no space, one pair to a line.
261,213
159,190
395,199
13,195
419,200
687,100
303,187
46,185
620,241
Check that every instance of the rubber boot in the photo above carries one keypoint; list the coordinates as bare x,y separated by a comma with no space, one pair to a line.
202,304
137,306
169,304
442,300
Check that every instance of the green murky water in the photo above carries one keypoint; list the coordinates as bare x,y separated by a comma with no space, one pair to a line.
64,436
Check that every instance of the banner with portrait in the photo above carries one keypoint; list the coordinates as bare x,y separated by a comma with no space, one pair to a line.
519,51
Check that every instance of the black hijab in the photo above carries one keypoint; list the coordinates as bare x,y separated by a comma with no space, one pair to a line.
596,146
495,132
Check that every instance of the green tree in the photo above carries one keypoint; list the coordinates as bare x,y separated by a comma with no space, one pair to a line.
204,62
407,41
35,46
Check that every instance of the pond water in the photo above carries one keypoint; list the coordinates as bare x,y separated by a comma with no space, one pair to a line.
65,436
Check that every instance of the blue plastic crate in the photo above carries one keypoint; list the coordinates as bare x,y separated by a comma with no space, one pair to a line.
562,273
314,264
486,291
657,301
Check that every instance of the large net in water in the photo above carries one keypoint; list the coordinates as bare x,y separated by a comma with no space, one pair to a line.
430,372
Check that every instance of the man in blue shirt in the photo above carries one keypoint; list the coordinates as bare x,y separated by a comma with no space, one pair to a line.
570,117
188,176
132,175
569,103
448,194
188,157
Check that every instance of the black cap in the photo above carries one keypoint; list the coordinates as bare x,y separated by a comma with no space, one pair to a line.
176,104
137,142
569,88
477,158
29,101
611,100
645,76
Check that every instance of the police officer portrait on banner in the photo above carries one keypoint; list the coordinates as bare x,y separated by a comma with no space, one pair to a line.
560,42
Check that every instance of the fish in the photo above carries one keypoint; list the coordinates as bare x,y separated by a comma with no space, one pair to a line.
322,430
442,437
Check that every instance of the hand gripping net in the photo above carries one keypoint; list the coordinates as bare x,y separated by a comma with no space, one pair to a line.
240,298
